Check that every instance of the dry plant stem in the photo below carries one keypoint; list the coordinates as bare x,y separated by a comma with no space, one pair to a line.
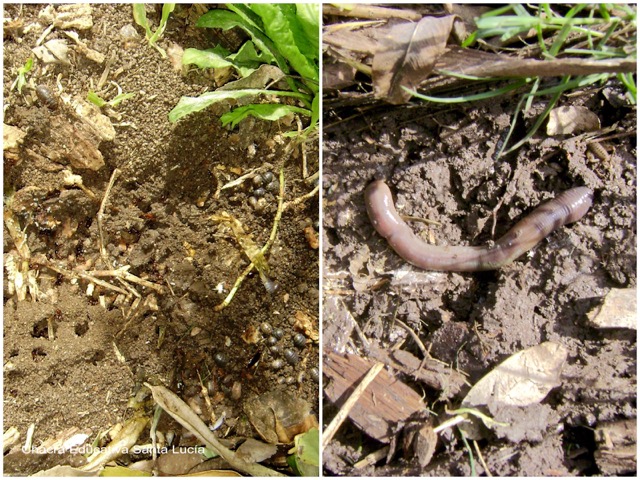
103,250
264,250
371,11
18,236
312,178
341,416
302,198
134,313
305,171
481,458
425,353
450,423
85,276
372,458
240,180
124,275
181,412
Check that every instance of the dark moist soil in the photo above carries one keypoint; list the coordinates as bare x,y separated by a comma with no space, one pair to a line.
440,165
157,222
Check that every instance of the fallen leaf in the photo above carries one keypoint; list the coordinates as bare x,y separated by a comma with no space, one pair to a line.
522,379
278,416
618,310
407,54
253,450
305,323
572,119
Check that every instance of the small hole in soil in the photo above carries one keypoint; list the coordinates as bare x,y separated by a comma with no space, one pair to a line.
579,445
38,354
81,328
14,353
40,329
97,356
57,379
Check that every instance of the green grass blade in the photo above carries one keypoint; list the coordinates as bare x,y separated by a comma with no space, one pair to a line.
470,98
167,8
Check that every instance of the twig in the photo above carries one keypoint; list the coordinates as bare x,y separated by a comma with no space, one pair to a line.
251,174
372,458
84,276
123,274
481,458
414,335
103,250
310,180
306,196
332,428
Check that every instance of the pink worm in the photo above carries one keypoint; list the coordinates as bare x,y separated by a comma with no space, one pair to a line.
568,207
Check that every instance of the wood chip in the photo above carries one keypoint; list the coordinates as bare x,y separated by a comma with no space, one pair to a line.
385,402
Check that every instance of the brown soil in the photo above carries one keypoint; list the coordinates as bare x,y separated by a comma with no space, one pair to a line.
157,222
439,164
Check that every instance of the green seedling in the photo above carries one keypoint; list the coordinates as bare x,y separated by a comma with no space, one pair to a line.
140,17
21,80
114,102
284,35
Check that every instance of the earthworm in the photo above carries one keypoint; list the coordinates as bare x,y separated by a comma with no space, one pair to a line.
568,207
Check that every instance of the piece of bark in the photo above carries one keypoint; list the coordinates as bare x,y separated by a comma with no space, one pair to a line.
433,373
485,64
383,404
617,447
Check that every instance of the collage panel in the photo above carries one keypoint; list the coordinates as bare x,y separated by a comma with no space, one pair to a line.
479,240
161,253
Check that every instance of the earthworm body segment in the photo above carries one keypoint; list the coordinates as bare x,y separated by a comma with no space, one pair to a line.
568,207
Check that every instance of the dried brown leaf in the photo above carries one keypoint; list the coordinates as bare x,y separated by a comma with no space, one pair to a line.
572,119
618,310
407,54
524,378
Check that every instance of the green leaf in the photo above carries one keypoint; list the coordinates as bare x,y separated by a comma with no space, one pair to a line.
225,20
279,26
188,105
140,17
210,58
309,18
315,111
21,79
306,454
120,471
265,111
248,55
167,8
